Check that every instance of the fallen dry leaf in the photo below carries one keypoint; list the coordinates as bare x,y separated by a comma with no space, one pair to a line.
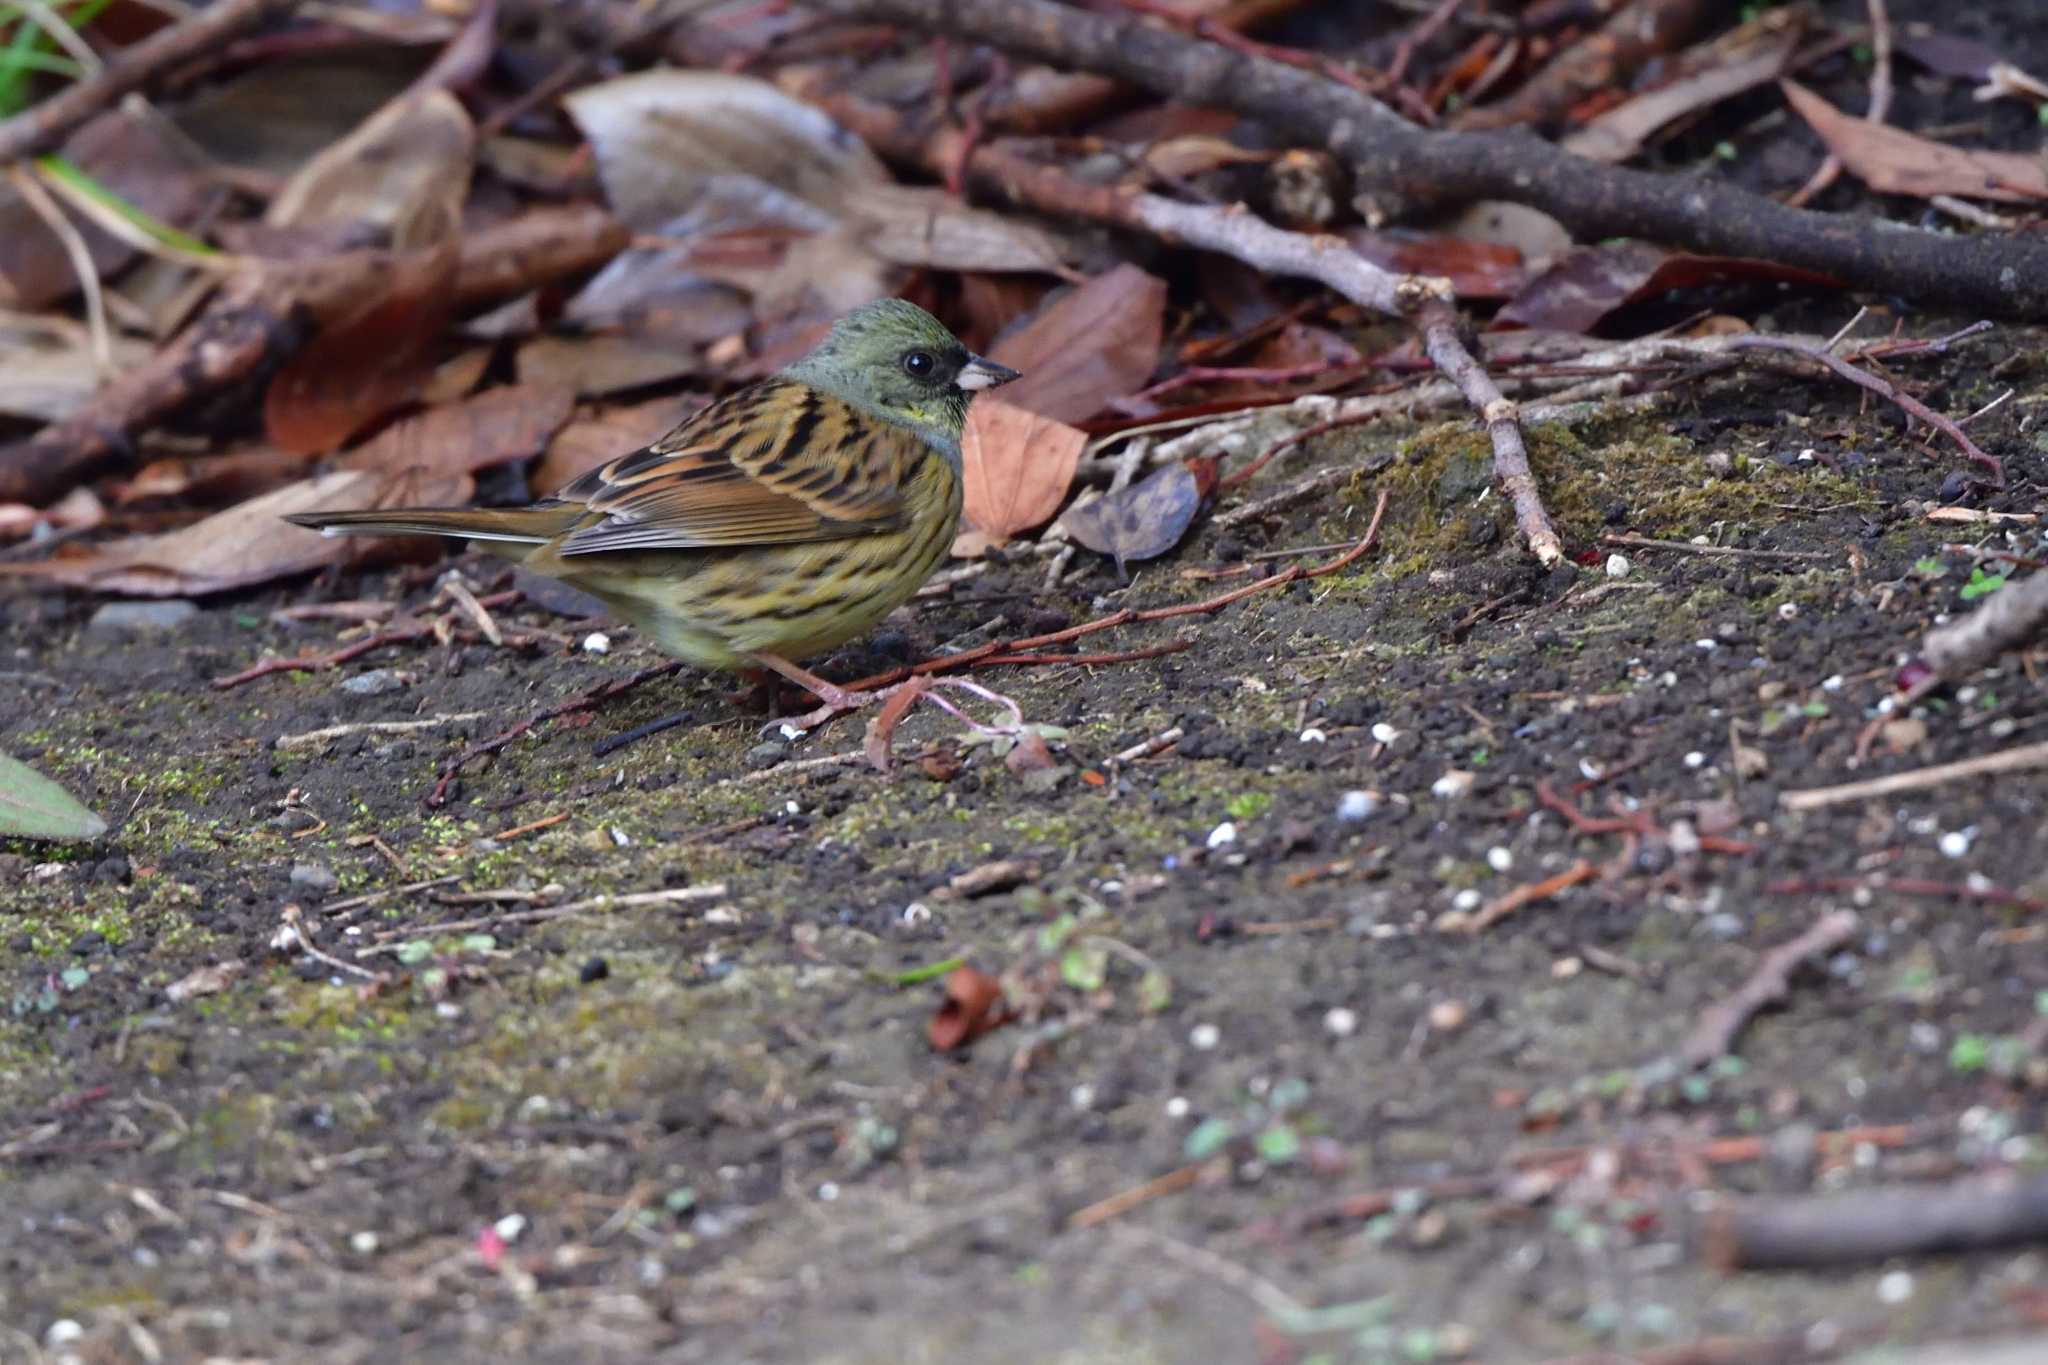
215,479
1591,282
1018,467
133,158
973,1006
1096,342
1142,521
366,364
248,543
47,370
1891,161
498,426
605,363
402,176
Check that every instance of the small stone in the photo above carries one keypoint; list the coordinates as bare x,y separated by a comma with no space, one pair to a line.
767,754
1357,807
62,1333
1565,968
1695,759
510,1228
1383,733
1204,1037
1618,566
1788,611
1895,1287
1500,858
597,969
133,618
1956,843
314,877
597,642
1791,1154
1340,1022
375,683
1725,926
362,1243
1313,736
1448,1016
1453,784
1223,834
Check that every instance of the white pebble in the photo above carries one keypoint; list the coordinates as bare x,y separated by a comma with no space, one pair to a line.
1452,784
1955,843
1384,733
1204,1037
1895,1287
1590,770
828,1192
792,808
1707,643
62,1332
362,1243
1225,833
1833,684
1341,1022
1177,1107
1082,1097
1695,759
510,1228
1618,566
597,642
1499,858
1468,899
1313,736
1356,807
917,912
1787,610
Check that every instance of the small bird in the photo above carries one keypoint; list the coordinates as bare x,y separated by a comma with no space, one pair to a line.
776,524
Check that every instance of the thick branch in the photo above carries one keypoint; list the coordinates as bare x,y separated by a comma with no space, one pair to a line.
39,129
2001,276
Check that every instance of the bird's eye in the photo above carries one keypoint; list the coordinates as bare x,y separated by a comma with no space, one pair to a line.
919,364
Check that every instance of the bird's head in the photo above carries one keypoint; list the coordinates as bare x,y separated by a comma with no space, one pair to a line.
895,360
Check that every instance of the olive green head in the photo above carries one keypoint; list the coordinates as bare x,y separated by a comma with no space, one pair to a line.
893,359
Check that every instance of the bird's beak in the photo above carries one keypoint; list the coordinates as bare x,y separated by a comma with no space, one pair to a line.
981,373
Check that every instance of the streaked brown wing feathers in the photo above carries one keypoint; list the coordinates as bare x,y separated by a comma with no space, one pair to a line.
777,463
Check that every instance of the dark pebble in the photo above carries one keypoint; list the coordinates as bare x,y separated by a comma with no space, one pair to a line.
597,969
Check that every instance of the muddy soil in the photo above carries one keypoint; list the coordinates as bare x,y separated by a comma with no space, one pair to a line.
712,1129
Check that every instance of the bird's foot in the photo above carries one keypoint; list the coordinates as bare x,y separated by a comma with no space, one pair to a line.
833,699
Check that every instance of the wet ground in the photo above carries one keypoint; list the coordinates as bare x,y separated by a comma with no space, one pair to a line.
710,1128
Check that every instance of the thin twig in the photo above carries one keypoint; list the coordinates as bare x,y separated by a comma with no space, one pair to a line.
80,255
1715,1033
2020,759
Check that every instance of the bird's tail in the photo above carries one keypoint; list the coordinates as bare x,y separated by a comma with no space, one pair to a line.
511,532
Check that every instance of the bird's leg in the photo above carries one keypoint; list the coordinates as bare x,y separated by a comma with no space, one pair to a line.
836,700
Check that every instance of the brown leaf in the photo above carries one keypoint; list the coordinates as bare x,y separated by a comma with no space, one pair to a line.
1142,521
402,176
605,363
973,1006
1094,343
1891,161
404,173
1592,281
132,157
228,477
593,438
366,364
497,426
47,371
246,544
1018,467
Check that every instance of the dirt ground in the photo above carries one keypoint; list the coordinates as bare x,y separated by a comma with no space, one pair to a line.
713,1130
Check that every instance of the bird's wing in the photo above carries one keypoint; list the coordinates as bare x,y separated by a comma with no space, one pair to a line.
776,463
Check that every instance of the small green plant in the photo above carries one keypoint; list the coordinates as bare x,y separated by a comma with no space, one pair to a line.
1981,584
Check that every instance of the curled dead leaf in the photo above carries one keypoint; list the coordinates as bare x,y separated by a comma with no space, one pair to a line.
973,1006
1142,521
1018,467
